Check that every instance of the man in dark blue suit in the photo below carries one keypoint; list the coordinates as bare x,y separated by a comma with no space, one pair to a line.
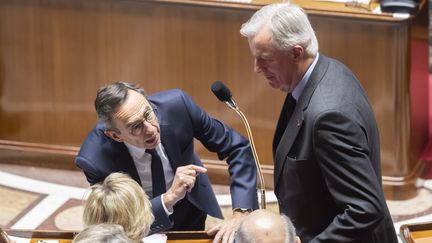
151,138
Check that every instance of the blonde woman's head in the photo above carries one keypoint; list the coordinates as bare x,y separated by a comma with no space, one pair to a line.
120,200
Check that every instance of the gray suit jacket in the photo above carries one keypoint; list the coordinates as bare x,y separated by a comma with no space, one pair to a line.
327,164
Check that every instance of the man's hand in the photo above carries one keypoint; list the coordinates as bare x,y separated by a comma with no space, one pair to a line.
184,181
225,231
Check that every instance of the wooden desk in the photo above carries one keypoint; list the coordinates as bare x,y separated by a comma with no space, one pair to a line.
55,54
416,233
67,236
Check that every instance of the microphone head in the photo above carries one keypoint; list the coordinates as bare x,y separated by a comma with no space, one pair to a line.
221,91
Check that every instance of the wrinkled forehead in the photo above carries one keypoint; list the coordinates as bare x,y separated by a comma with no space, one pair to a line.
133,107
262,42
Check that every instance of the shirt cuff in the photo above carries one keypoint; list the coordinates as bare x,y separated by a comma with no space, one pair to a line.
164,207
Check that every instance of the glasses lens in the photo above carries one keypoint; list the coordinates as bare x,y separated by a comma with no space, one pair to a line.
149,116
137,129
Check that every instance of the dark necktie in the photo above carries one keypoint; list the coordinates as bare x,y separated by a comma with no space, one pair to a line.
284,117
158,177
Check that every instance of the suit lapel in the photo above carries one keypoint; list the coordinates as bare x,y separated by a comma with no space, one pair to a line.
286,142
171,147
296,121
168,138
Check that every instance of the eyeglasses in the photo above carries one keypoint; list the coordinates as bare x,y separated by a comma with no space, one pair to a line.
149,116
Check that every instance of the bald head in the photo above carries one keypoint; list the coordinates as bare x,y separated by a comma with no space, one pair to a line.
265,226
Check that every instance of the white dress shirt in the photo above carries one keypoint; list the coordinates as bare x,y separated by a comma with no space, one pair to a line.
142,161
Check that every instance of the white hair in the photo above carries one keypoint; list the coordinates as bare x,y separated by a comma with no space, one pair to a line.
290,233
288,24
243,235
102,233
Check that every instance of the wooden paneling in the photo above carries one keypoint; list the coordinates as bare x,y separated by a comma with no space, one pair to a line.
55,54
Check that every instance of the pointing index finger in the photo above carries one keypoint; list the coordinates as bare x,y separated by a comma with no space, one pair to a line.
198,169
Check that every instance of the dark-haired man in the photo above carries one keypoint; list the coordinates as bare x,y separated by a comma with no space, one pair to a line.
151,138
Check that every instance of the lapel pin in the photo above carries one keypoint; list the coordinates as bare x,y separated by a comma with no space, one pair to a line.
298,123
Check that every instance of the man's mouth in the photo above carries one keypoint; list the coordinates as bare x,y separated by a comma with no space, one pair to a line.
151,140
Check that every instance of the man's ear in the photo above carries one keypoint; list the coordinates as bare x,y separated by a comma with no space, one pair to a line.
298,239
298,52
113,135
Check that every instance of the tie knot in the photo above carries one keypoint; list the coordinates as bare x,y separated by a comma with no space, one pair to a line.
152,152
291,102
292,99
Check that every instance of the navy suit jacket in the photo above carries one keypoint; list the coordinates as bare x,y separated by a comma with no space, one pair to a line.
181,120
327,164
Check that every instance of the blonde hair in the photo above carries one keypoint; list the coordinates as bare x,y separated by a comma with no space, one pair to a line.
120,200
102,233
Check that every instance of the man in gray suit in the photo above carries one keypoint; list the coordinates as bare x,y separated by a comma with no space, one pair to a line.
326,146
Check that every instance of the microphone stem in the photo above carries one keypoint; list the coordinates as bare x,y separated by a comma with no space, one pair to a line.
234,107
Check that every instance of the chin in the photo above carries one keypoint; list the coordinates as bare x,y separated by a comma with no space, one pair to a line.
284,89
154,145
140,145
273,84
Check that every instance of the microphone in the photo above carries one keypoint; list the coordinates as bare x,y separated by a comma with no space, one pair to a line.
224,94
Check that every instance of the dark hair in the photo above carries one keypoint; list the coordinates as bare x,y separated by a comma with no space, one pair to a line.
109,98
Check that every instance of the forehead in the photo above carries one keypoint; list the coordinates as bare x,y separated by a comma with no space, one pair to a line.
261,43
132,108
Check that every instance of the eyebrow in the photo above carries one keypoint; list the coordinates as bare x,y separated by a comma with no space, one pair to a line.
134,123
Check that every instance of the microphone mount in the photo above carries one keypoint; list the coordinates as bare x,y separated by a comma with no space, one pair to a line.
224,94
231,104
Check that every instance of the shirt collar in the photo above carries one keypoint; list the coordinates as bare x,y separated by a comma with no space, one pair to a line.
136,152
300,86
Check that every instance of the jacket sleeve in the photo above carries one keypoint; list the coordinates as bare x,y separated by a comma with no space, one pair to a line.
342,151
162,221
230,146
91,173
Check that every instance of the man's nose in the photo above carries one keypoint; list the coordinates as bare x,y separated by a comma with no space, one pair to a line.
257,67
146,126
